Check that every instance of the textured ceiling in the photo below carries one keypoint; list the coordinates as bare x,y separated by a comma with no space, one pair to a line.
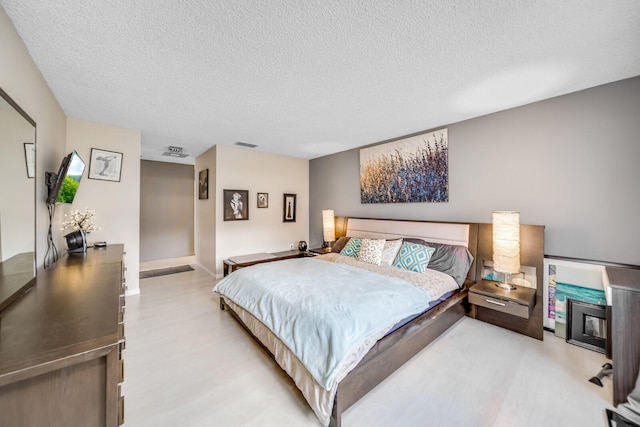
310,78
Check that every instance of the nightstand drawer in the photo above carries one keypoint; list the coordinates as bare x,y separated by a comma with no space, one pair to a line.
498,304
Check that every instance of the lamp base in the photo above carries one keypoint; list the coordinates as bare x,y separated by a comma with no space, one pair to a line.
506,286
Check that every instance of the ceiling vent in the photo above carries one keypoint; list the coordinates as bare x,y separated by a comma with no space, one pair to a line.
245,144
175,152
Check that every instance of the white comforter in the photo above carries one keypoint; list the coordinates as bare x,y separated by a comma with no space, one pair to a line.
328,315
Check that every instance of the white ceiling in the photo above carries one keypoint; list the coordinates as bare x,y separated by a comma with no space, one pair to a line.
310,78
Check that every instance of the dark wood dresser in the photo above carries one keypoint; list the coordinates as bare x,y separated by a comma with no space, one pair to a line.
625,330
61,345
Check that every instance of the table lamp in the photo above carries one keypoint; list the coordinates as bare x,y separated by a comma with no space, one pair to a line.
506,245
328,227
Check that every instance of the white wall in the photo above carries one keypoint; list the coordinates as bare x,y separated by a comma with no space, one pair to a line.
205,228
245,169
21,79
569,163
117,204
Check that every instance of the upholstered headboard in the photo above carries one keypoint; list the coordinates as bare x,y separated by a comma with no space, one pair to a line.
452,233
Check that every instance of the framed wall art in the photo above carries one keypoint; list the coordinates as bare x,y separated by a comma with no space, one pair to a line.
236,205
203,184
413,169
30,158
569,278
289,208
105,165
263,200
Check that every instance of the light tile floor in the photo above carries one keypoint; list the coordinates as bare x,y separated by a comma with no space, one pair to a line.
189,364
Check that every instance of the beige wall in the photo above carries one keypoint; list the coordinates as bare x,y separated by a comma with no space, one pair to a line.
117,204
205,238
21,79
166,210
16,188
244,169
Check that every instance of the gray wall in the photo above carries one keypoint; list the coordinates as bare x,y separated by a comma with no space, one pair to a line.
571,163
166,210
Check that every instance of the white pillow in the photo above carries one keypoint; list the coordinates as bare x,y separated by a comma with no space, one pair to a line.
371,251
390,250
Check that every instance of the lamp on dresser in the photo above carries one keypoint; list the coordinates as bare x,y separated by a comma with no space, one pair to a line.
506,245
328,227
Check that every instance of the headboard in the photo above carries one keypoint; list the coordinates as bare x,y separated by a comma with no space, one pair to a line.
452,233
478,239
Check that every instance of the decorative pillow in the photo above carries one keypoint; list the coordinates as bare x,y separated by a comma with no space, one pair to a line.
352,248
454,260
413,256
390,251
339,244
371,251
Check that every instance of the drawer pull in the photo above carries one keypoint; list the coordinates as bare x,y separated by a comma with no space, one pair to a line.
501,304
120,371
120,410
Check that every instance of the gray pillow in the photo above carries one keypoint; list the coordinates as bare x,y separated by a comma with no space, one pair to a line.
339,244
453,260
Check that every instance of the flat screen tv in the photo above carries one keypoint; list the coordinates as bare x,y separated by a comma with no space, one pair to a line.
64,185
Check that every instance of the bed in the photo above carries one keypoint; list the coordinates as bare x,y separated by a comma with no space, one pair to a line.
332,385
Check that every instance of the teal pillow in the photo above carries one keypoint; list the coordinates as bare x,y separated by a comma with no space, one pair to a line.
414,257
352,248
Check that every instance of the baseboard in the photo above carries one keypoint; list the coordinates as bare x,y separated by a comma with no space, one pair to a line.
209,272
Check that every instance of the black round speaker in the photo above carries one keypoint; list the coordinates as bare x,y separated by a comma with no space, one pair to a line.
75,241
302,245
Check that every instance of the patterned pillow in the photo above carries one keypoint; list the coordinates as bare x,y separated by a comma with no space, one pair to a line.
414,257
390,250
371,251
352,248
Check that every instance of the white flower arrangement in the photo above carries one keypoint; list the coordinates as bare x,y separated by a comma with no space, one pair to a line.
80,220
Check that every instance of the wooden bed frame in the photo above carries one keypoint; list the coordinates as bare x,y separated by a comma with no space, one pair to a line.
396,348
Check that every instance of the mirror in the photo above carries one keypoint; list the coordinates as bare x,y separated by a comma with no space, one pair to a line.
17,201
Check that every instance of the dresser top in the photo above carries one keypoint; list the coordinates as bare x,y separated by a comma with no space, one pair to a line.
72,308
624,278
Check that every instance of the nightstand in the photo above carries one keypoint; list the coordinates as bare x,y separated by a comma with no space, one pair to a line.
320,251
516,302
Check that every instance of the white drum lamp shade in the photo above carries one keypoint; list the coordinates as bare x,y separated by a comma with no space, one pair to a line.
328,225
506,242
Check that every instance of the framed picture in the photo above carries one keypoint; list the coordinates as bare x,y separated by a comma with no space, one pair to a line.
105,165
30,158
569,278
203,184
289,209
414,169
263,200
236,205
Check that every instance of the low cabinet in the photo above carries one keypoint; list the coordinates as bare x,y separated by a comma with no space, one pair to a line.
61,345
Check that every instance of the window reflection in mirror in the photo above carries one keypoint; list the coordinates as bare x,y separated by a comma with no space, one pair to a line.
17,198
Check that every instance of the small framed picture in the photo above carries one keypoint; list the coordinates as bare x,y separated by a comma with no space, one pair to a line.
263,200
30,158
236,205
105,165
289,209
203,184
